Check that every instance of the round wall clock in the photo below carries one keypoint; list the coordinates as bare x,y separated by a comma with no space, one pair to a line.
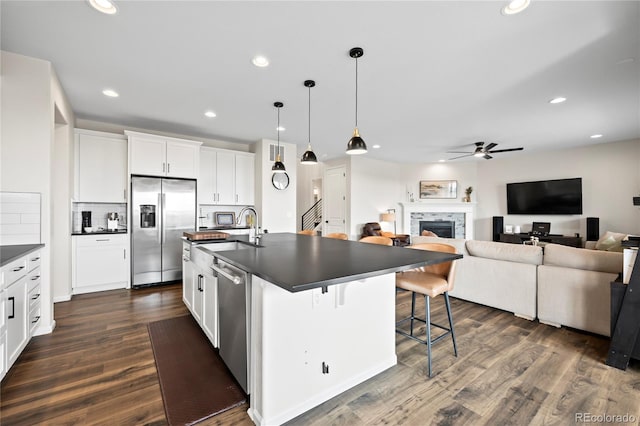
280,180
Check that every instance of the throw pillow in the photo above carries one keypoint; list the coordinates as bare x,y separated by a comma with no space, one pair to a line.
610,241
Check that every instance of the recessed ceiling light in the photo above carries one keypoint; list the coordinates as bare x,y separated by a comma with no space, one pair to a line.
260,61
104,6
376,146
625,61
596,136
280,129
110,93
210,114
441,161
557,100
515,6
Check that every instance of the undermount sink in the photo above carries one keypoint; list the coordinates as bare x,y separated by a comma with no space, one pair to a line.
230,245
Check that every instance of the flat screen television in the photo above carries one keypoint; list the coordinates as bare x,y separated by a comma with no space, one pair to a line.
559,196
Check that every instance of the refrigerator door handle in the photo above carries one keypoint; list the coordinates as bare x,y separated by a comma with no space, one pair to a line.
164,202
160,218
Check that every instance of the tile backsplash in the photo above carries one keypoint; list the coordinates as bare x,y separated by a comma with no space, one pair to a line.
19,218
99,213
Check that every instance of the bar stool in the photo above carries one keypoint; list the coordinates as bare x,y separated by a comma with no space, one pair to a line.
429,281
307,232
338,236
385,241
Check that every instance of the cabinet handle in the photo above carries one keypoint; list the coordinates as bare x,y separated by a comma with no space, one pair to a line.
104,239
124,253
36,320
163,165
19,268
186,259
37,277
13,307
168,167
35,259
124,194
325,368
236,198
35,297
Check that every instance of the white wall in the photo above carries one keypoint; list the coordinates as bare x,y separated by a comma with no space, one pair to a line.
30,95
610,174
277,208
610,178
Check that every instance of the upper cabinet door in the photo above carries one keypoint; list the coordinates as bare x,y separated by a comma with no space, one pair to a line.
101,167
148,156
225,179
207,193
245,179
182,159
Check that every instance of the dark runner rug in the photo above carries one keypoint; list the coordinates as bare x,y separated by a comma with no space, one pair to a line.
194,381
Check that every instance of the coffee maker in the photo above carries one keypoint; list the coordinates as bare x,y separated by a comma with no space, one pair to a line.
112,221
86,220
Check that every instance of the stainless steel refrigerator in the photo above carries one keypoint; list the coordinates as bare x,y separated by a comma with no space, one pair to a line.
161,210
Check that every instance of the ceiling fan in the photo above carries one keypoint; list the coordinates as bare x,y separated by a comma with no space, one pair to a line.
482,151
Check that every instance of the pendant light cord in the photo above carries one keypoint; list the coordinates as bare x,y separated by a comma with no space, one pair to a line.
356,92
309,115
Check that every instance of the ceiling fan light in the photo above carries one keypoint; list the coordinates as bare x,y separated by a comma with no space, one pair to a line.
478,154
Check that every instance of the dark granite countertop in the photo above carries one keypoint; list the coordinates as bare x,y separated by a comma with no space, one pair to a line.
221,228
300,262
10,253
119,231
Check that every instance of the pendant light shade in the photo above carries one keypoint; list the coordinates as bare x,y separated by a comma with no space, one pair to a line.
278,166
356,144
309,157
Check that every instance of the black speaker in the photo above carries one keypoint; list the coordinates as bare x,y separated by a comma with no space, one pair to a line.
498,227
636,201
593,228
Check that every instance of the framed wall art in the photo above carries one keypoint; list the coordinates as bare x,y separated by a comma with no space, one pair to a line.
438,189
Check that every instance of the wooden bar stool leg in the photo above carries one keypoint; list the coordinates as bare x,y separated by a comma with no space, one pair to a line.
453,334
428,326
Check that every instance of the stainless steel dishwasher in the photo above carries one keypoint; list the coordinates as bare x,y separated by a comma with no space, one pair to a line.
234,308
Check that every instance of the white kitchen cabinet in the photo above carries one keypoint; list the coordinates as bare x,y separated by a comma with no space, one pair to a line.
198,290
100,262
154,155
187,276
101,167
20,281
209,321
226,177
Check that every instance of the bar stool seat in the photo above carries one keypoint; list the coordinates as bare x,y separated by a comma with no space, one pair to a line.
429,281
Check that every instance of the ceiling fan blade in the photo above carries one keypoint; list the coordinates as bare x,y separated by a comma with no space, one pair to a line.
506,150
490,146
459,152
487,157
460,156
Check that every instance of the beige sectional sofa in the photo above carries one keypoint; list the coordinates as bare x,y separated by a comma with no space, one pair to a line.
564,286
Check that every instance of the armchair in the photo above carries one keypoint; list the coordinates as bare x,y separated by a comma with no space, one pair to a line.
373,229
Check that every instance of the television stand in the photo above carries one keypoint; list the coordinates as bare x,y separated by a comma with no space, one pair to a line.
551,238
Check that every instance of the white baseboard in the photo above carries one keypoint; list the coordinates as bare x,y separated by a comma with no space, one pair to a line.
64,298
45,329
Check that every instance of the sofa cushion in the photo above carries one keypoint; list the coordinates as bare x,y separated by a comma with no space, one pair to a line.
610,241
458,243
577,258
504,251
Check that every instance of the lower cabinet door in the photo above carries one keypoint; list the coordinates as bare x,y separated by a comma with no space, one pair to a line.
16,310
100,262
187,283
210,308
198,279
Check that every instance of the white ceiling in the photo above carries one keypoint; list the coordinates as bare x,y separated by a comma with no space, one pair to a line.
434,75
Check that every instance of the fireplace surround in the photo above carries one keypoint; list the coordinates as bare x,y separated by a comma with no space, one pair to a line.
462,214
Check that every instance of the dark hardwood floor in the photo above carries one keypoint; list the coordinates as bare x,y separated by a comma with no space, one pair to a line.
97,367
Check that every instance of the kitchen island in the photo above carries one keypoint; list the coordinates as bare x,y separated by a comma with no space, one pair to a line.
321,315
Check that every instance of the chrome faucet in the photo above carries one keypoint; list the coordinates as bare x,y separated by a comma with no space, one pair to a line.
257,233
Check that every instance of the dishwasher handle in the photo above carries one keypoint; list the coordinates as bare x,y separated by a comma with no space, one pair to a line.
227,274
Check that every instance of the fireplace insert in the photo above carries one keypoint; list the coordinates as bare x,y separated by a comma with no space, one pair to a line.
442,228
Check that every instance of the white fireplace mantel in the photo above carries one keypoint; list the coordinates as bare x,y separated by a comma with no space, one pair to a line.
438,207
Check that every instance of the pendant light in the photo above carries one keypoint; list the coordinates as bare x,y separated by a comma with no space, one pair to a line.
278,166
356,144
309,157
